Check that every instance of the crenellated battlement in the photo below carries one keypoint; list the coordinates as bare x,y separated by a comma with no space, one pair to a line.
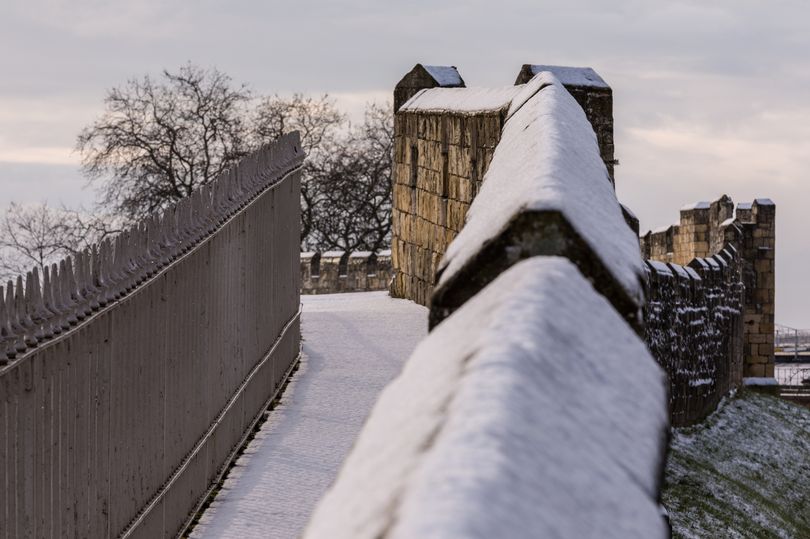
332,272
693,327
704,229
445,137
549,333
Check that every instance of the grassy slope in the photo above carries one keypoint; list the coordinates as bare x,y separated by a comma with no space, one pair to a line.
743,473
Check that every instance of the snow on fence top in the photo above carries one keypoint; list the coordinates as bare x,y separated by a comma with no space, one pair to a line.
572,76
462,100
534,410
548,161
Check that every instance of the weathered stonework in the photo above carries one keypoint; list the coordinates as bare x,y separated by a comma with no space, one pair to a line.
440,159
439,163
709,316
421,77
758,250
703,230
332,272
693,327
530,234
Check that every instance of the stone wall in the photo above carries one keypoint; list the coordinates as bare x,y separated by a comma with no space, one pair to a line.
595,97
758,244
421,77
443,147
703,230
332,272
440,158
533,366
702,329
693,327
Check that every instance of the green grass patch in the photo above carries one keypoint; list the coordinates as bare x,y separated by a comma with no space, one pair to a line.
742,473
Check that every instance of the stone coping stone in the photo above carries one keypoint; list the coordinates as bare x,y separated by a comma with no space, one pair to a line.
533,411
546,192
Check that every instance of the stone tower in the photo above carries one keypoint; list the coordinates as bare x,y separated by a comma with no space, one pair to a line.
421,77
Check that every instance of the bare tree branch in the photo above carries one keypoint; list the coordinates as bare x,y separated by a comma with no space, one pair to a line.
350,187
38,235
159,140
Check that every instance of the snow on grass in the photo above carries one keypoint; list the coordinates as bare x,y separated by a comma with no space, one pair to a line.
533,411
743,473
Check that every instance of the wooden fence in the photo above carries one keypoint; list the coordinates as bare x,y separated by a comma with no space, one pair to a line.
129,377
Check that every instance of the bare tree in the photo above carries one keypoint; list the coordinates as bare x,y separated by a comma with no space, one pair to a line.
317,120
351,187
38,235
159,140
320,124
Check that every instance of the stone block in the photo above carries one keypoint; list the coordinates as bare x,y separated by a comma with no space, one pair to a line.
756,338
455,129
458,161
757,370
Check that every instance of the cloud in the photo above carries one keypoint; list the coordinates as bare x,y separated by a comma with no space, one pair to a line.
710,97
144,19
40,154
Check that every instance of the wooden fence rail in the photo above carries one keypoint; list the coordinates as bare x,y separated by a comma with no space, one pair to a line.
128,378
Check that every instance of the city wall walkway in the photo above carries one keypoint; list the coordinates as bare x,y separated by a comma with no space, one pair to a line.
353,345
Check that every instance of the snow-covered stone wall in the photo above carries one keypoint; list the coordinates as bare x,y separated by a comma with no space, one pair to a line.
533,411
445,137
533,408
546,192
705,229
440,157
331,272
593,94
693,327
424,76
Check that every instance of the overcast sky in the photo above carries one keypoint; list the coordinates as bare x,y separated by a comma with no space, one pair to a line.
711,97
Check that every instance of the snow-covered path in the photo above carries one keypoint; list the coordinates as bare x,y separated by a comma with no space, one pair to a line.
354,344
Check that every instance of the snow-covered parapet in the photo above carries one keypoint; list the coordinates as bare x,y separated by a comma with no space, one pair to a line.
425,76
446,76
592,93
461,100
569,76
546,192
693,322
533,411
760,381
